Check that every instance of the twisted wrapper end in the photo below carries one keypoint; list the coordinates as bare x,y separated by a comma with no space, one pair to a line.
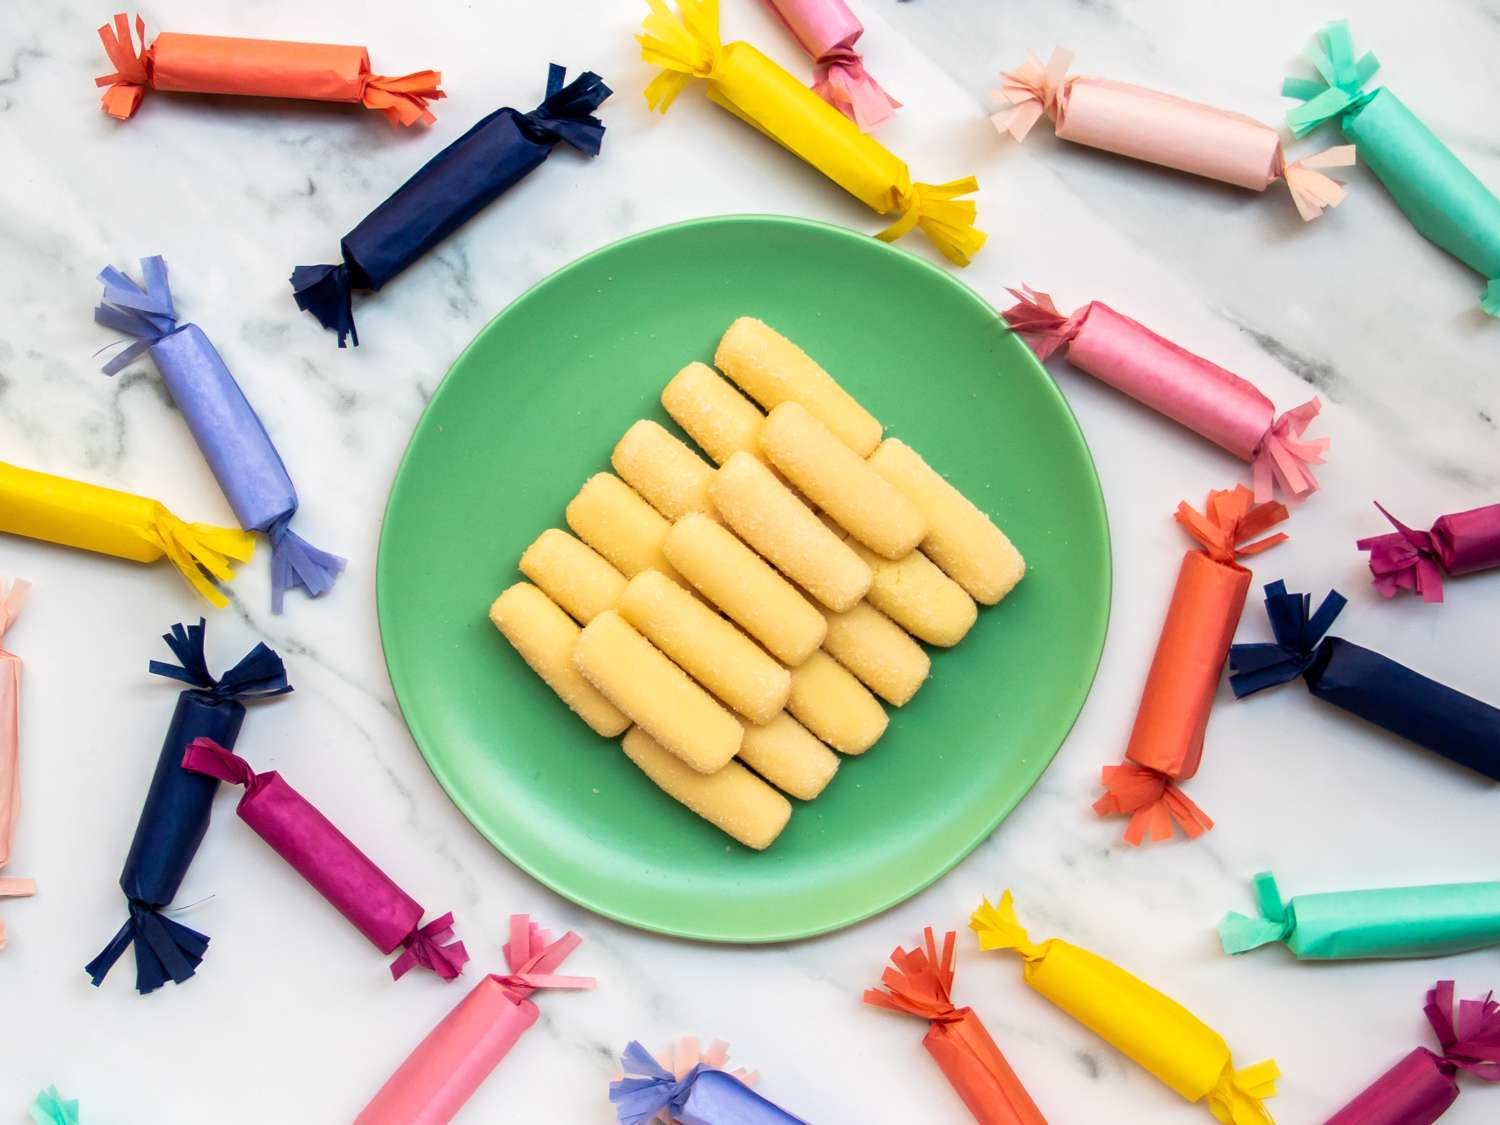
947,220
404,99
132,73
144,313
328,293
566,113
685,46
1341,88
1299,634
532,957
919,981
1152,801
1405,559
197,547
1030,91
205,756
1036,319
1472,1041
1312,191
997,928
1489,300
164,949
51,1108
13,592
1230,518
1284,454
296,562
258,675
431,946
1236,1100
840,79
1239,934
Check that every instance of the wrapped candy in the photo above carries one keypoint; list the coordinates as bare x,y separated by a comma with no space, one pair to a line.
267,68
1374,687
1158,128
1217,404
1153,1030
1420,1088
177,808
50,1108
1166,742
694,1089
12,597
828,31
755,89
920,983
445,1069
1445,201
224,424
360,891
1430,921
94,518
497,152
1407,559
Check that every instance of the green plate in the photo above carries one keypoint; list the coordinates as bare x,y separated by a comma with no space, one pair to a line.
535,404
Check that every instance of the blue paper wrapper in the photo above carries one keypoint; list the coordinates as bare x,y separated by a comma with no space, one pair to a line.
495,154
178,804
704,1096
224,424
1365,683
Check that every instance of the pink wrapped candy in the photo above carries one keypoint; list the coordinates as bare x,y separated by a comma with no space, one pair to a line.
1407,559
1163,129
325,857
1226,409
12,596
828,30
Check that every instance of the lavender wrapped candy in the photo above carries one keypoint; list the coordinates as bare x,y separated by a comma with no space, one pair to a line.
705,1095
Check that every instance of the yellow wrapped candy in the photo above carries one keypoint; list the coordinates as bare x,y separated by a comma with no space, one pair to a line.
755,89
93,518
1154,1030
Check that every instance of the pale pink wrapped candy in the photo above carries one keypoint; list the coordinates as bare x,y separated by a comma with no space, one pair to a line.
12,597
1187,388
1163,129
828,30
445,1069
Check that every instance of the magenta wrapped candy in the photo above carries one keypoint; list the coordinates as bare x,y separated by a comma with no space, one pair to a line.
1407,559
325,857
828,30
1420,1088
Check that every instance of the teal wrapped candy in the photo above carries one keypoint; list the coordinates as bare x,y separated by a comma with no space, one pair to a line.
1444,200
1391,922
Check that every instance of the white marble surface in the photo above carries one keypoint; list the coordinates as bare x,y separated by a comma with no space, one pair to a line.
291,1018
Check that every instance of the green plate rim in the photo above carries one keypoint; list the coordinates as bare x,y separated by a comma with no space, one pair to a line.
626,916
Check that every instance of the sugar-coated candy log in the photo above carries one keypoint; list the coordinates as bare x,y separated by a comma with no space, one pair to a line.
840,483
611,517
789,756
878,651
732,798
710,411
672,478
705,646
920,598
771,369
545,637
830,702
657,695
743,585
769,517
572,574
960,538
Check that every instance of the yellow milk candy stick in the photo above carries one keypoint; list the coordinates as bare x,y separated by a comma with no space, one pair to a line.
732,799
572,574
705,646
545,637
611,517
771,369
657,695
766,515
743,585
960,538
919,597
830,702
672,478
93,518
878,651
789,756
840,483
1152,1029
721,420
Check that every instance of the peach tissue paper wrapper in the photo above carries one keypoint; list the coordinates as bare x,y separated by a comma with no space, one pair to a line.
689,1086
749,85
1148,1027
828,31
1163,129
12,597
213,64
1166,742
51,1108
919,982
347,878
442,1073
1421,1087
1408,559
1192,391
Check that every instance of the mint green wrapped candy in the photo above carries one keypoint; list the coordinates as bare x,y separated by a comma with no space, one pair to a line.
1391,922
50,1109
1444,200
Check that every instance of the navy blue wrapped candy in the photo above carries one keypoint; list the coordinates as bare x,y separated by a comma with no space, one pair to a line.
703,1096
495,154
1369,685
223,422
177,808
